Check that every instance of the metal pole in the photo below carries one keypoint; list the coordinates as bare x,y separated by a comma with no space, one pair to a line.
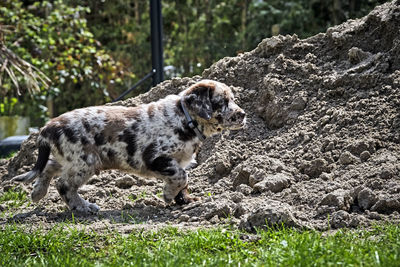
156,41
148,75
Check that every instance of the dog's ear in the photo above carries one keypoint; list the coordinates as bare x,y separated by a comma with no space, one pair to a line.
198,100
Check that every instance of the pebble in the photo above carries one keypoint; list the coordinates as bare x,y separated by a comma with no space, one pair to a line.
125,182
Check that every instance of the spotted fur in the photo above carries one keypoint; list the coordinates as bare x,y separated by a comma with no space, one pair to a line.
151,140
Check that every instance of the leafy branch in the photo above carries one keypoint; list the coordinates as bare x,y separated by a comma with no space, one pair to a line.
10,61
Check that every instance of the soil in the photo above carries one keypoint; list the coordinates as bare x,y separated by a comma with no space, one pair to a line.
321,149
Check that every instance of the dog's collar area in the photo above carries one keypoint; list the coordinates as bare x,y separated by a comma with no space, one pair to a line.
192,124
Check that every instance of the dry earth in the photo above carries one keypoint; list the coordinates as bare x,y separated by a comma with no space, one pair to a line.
321,149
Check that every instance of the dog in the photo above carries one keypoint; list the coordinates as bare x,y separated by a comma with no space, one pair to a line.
159,139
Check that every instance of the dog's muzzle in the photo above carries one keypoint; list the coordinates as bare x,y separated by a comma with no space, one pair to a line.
237,120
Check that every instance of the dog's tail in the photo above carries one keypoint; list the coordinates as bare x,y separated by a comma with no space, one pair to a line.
44,153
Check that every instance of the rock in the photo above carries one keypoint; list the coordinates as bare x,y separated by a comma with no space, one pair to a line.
361,146
340,199
270,213
274,183
94,180
214,220
220,208
236,196
127,206
364,156
184,218
194,219
241,177
330,146
366,198
299,103
275,114
386,174
325,209
356,55
315,167
358,220
325,176
239,211
340,219
87,189
373,215
347,158
249,238
386,206
152,201
244,189
100,193
222,167
273,44
256,177
125,182
395,216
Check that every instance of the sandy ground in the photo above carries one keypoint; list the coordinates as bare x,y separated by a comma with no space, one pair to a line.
321,149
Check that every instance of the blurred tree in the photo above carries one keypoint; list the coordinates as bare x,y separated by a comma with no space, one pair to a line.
10,63
124,28
200,32
55,38
303,17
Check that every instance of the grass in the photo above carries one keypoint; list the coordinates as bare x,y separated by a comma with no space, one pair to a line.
14,197
65,246
10,155
135,198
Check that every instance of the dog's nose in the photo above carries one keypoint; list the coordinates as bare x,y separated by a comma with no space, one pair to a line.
239,116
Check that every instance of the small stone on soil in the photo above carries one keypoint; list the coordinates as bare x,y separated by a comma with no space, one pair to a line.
125,182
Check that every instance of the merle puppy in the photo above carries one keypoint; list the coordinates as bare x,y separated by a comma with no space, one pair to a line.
158,139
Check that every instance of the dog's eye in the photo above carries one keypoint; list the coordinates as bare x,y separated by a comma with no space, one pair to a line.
219,118
226,101
216,105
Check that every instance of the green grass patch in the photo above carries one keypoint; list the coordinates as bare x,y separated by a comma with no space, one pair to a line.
14,198
10,155
63,246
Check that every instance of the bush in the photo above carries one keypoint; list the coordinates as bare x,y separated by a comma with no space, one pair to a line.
55,38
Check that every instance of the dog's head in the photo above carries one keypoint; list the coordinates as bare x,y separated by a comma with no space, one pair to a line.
213,105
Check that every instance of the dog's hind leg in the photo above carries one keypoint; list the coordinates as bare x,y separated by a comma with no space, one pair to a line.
41,185
68,184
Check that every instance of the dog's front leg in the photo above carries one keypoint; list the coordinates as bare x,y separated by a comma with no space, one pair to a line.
175,176
174,185
184,197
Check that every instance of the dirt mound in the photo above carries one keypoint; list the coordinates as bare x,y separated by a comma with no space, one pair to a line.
321,149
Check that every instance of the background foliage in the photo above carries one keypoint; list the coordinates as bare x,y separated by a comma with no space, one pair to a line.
56,39
94,50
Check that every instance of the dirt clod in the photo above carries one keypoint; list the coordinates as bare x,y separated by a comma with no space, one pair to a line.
366,198
125,182
272,213
340,199
274,183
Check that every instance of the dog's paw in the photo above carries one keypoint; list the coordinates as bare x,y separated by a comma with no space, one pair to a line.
183,197
167,200
87,208
39,191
